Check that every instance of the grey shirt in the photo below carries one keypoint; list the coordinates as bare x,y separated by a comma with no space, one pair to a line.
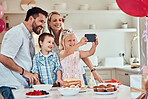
15,45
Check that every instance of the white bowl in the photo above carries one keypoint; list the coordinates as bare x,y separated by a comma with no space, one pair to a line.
69,91
60,6
45,87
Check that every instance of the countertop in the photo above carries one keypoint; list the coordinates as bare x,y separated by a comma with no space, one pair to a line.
126,68
123,93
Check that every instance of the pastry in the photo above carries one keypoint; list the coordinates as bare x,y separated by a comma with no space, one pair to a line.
72,81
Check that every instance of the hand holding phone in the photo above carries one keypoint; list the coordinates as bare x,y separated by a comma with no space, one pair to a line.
91,37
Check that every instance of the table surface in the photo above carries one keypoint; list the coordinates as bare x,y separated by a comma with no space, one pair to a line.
123,93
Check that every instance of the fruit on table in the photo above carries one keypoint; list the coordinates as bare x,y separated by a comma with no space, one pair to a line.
37,92
113,81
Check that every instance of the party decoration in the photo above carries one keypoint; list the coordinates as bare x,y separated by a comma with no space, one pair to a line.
91,82
145,2
1,11
144,39
133,7
2,25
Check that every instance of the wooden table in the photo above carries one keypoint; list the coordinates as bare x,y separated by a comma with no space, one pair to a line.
123,93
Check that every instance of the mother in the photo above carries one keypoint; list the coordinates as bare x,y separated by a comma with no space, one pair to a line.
55,27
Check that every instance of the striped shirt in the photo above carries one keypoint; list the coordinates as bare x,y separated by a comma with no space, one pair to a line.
46,67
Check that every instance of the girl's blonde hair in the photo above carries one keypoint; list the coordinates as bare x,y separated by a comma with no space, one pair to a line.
65,33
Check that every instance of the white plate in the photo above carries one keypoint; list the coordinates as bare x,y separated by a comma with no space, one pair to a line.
105,93
39,96
69,91
83,90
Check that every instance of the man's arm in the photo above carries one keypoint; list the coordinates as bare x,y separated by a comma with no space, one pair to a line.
95,74
10,64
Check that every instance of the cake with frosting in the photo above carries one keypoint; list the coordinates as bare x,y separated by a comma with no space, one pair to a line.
72,83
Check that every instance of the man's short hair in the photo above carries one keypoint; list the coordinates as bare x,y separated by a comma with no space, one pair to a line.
42,37
34,12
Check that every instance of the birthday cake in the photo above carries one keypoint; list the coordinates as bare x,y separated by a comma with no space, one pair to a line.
72,83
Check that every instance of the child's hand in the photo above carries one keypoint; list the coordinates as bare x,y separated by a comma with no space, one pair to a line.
36,81
83,41
95,43
60,81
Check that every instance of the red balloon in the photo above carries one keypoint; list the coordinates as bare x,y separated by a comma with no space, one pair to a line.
2,25
145,2
133,7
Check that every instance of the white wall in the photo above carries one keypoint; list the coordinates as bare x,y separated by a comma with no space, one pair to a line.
110,43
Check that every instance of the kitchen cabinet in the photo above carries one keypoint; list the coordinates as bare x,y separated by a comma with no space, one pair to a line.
124,76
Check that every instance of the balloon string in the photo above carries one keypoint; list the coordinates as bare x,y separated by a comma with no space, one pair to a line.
146,42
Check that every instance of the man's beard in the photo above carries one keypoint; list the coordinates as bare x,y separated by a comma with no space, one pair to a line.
35,28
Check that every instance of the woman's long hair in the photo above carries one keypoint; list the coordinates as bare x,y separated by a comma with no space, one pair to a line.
49,20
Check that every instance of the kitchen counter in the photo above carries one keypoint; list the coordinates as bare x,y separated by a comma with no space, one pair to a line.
126,67
123,93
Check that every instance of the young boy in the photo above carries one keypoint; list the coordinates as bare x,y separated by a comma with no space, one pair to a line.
46,63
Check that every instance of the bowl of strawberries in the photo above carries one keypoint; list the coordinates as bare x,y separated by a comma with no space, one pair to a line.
37,94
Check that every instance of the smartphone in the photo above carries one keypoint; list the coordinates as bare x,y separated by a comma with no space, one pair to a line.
91,37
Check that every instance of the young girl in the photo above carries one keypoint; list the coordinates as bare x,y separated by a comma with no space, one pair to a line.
70,59
46,63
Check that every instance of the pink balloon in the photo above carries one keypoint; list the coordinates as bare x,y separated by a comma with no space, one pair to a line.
133,7
2,25
1,11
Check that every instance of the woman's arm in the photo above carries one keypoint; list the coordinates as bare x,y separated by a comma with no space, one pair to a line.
89,64
95,74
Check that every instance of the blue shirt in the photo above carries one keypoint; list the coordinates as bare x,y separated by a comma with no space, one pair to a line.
46,67
15,45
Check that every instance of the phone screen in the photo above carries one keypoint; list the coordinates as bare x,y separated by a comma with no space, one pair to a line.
91,37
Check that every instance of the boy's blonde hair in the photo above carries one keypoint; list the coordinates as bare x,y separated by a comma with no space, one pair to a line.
65,33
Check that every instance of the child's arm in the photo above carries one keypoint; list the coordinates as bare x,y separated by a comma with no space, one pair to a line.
58,71
34,70
70,50
59,76
84,54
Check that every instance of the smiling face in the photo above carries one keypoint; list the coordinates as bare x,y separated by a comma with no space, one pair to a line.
38,23
47,44
69,41
56,22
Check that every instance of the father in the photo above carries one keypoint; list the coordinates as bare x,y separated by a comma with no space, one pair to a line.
18,49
